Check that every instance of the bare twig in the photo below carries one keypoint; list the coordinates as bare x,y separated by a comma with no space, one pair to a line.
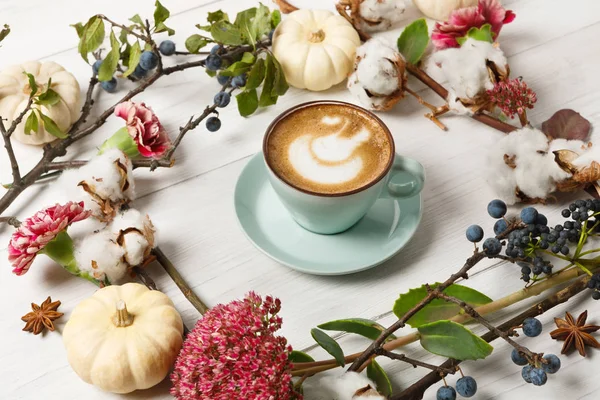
145,38
144,278
179,281
415,363
416,390
6,134
11,221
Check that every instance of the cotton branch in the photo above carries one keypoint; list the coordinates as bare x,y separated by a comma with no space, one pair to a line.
416,390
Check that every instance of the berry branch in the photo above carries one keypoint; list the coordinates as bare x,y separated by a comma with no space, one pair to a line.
415,363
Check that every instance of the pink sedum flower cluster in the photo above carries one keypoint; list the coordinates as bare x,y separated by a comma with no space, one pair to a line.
233,353
145,129
491,12
513,97
36,232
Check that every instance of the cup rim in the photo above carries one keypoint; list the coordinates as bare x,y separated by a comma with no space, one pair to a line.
297,107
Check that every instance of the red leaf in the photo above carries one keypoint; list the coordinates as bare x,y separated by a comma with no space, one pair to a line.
567,124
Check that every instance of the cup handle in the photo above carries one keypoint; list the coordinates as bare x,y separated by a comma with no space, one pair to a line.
398,184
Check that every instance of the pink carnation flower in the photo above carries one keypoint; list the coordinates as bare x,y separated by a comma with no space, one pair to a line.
36,232
491,12
145,129
233,353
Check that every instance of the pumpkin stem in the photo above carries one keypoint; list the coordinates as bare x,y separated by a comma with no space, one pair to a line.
122,318
317,36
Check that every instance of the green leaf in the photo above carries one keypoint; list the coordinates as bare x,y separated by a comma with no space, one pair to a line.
453,340
137,20
32,84
275,18
110,62
135,53
413,41
483,34
160,14
437,309
266,96
194,43
48,98
299,356
161,27
280,86
91,37
380,377
210,73
256,75
261,23
247,102
360,326
217,16
243,21
248,58
329,345
51,127
225,32
123,36
31,123
79,28
235,69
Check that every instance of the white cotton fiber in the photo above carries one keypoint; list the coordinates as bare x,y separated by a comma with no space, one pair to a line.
105,178
465,69
382,14
136,242
343,387
101,257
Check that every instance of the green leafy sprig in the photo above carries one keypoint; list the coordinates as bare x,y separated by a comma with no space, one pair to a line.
42,97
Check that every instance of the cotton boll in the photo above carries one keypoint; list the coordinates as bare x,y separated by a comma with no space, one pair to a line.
101,257
104,184
379,15
465,68
135,233
522,160
379,75
343,387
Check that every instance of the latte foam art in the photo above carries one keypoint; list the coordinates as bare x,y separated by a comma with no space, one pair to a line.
328,149
328,159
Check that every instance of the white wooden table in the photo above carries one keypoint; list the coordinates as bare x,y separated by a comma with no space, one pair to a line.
553,44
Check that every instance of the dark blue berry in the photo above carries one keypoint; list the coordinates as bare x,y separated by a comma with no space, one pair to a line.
596,295
555,249
215,49
525,270
466,386
96,66
110,86
139,72
239,81
500,226
532,327
493,246
538,376
572,207
566,213
446,393
148,60
167,47
575,215
497,208
551,238
213,124
541,219
525,373
528,215
271,34
547,269
222,100
552,365
564,250
526,278
580,203
518,358
213,62
543,245
222,79
474,233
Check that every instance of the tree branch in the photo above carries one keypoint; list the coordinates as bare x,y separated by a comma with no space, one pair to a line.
415,363
6,134
11,221
125,28
416,390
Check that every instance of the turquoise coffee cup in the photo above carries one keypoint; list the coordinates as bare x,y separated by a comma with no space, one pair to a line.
325,213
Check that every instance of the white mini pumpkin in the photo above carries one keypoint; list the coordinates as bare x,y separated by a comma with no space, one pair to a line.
123,338
440,9
316,48
15,91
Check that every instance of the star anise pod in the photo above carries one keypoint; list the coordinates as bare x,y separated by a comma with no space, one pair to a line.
42,316
575,333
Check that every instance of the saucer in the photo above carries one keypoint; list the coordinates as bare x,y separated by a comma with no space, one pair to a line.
377,237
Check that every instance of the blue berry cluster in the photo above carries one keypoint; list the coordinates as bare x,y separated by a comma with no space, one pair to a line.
594,284
465,386
148,62
537,375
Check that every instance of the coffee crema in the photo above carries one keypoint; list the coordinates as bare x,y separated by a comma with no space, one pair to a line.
328,148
